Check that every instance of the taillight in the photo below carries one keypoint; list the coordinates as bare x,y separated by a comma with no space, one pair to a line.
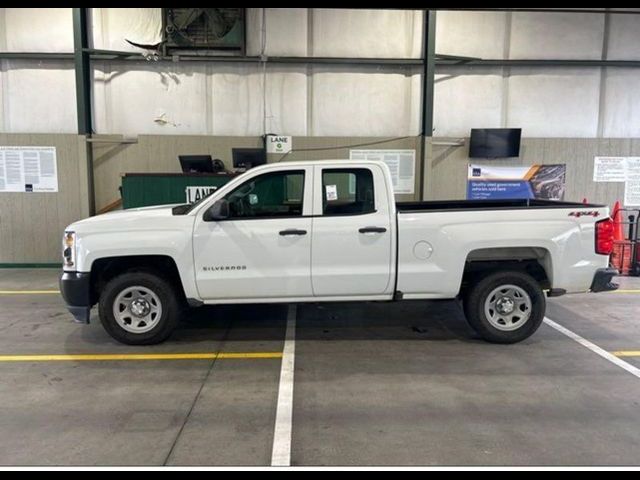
604,237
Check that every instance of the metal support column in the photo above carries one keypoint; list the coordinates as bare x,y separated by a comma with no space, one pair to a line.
428,84
83,91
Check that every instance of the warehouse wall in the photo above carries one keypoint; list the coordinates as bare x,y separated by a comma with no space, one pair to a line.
134,98
227,99
384,101
545,102
37,97
36,30
31,224
451,162
289,31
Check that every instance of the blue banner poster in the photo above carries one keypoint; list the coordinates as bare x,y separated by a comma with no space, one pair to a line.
540,182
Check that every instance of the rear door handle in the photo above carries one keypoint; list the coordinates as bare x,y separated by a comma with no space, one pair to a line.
366,230
293,232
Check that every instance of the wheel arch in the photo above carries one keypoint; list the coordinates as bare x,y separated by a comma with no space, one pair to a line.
105,269
534,261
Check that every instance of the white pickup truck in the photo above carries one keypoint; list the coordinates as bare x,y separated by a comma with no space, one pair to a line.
332,232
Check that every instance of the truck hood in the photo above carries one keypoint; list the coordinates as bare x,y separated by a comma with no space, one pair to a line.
126,220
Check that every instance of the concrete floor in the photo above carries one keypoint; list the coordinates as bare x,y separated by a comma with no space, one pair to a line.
375,384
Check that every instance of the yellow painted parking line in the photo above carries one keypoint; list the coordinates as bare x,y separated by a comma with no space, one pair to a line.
626,291
29,292
627,354
137,357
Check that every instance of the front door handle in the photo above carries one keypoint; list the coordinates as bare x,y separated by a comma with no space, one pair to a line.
366,230
293,232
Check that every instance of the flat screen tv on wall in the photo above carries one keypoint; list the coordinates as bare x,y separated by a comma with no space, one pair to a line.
495,143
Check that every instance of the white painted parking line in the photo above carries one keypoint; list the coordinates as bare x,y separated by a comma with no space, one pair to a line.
594,348
281,454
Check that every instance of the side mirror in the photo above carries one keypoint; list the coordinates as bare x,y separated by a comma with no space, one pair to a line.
218,211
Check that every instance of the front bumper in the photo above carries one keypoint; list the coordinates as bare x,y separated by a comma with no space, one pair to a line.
602,280
75,288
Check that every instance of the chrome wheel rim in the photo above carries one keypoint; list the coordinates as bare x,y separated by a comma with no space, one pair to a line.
137,309
508,307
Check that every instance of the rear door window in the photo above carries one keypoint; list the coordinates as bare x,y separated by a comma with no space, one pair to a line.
347,192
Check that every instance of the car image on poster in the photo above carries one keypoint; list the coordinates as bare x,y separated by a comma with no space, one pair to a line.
540,182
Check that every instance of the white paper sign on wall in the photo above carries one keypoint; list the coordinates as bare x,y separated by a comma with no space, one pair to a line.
28,169
610,169
632,187
279,144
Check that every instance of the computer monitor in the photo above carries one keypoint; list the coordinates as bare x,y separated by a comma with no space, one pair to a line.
495,143
196,163
248,157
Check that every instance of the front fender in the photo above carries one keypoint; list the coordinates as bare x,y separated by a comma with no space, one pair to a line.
175,244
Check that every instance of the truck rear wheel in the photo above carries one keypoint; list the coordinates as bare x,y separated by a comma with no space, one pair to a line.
505,307
139,308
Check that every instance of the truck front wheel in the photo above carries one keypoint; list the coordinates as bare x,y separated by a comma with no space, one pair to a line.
139,308
505,307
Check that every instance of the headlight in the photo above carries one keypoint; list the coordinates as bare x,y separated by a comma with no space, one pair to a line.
69,249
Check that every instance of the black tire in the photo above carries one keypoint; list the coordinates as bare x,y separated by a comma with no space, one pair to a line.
164,291
474,307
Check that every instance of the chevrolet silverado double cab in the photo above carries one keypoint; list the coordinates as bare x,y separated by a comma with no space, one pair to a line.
331,231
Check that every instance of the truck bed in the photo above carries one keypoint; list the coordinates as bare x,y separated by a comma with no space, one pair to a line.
462,205
449,234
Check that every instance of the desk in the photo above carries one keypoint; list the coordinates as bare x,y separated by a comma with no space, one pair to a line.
147,189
